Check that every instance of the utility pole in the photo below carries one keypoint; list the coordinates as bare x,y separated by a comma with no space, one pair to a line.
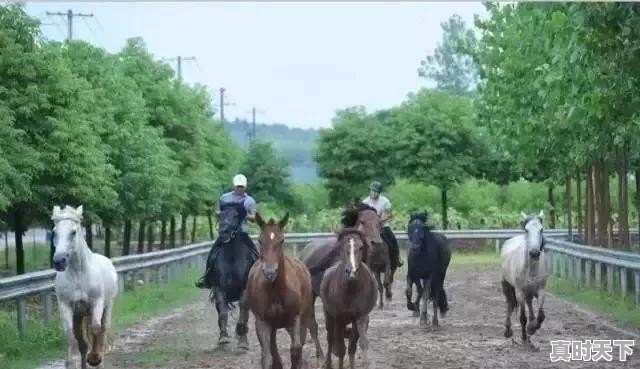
179,59
70,14
252,134
223,104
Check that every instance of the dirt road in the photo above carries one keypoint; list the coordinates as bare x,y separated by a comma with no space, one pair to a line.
470,336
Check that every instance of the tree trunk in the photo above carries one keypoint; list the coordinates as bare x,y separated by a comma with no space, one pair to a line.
6,250
552,205
638,198
193,229
141,230
568,195
183,229
172,232
210,218
18,223
606,193
150,236
126,238
445,221
623,203
163,234
89,234
107,240
590,199
580,205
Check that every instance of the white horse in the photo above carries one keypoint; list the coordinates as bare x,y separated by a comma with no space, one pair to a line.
524,275
86,285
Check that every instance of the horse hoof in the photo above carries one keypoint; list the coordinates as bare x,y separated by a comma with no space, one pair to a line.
531,329
424,323
388,295
223,340
94,359
416,313
508,332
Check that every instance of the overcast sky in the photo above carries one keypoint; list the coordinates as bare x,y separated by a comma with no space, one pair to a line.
297,63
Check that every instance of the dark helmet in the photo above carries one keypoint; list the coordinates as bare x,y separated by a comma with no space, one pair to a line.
375,186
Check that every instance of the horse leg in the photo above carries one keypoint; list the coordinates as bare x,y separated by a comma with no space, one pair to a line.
67,324
362,324
380,297
531,327
409,292
419,292
353,343
523,321
277,361
541,316
223,315
329,323
510,295
97,331
434,301
387,283
312,324
340,348
78,332
263,331
296,335
424,314
241,326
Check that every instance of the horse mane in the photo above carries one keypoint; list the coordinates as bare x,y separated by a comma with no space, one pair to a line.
349,217
66,213
361,206
530,218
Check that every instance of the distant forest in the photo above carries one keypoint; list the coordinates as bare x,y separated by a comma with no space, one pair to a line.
295,144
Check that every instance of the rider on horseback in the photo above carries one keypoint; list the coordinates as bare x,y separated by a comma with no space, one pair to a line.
237,196
383,207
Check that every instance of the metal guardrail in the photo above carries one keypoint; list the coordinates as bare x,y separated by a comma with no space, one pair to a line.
163,266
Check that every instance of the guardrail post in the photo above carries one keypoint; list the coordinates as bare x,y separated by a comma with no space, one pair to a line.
47,302
587,272
636,284
121,281
565,261
497,246
598,274
623,283
610,278
578,271
21,314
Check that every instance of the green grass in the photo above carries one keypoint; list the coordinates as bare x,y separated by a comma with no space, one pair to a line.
473,260
623,311
44,342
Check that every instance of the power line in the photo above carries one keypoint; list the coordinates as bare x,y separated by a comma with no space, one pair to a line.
70,14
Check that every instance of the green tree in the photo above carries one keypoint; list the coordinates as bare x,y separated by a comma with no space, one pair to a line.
268,174
436,141
450,67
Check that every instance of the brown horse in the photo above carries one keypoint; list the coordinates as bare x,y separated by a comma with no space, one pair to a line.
279,295
318,255
348,293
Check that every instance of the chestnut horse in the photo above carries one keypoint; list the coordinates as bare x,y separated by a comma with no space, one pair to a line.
348,292
279,295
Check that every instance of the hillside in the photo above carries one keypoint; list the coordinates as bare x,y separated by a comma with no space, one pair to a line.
295,144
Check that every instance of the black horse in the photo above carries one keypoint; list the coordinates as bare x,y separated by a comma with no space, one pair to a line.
233,260
428,260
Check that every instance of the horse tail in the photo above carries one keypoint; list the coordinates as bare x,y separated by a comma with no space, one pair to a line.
443,304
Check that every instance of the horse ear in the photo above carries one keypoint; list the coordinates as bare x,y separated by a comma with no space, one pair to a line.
283,222
523,214
541,214
259,220
56,210
79,211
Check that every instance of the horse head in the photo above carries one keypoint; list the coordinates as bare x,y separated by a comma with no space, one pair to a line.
230,220
354,251
534,240
369,223
416,230
271,242
67,235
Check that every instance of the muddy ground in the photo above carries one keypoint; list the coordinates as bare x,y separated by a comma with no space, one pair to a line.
470,336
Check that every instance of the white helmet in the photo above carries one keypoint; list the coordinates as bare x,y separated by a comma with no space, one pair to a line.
240,180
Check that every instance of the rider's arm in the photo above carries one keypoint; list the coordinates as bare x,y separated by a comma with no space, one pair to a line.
387,212
251,207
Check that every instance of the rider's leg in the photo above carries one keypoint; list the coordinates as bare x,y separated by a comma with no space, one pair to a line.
205,280
252,246
394,250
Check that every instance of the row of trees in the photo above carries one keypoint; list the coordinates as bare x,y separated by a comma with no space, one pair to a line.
117,133
544,92
559,87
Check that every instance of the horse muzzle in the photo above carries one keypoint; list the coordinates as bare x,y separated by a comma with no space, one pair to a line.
60,262
270,273
535,254
351,273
